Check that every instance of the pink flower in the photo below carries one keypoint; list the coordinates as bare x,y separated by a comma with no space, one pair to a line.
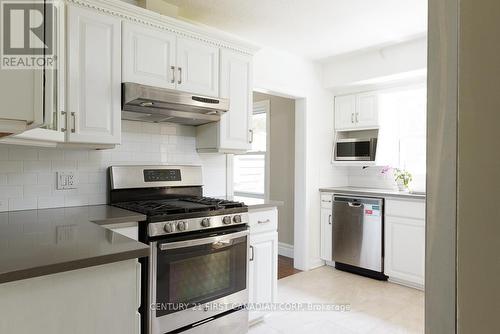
386,169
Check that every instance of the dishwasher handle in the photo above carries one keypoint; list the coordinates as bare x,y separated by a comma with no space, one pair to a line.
354,204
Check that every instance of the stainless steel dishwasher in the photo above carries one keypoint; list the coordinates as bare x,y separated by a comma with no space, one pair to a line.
357,235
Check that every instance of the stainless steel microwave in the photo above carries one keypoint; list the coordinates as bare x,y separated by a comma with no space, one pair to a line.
355,149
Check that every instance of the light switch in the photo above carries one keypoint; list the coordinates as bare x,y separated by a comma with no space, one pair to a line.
66,180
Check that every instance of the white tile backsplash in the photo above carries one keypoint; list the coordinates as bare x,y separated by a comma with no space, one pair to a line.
370,177
28,180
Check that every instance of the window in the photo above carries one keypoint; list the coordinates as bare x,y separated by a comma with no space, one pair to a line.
249,169
406,111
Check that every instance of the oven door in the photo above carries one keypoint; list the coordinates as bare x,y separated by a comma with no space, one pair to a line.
190,277
355,149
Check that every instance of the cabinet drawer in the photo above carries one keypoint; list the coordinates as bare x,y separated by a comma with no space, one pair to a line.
401,208
263,221
326,201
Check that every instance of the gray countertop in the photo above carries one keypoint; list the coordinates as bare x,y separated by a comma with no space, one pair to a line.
373,192
253,203
42,242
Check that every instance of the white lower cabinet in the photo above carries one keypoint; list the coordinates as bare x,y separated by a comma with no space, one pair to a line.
326,227
263,265
404,260
99,299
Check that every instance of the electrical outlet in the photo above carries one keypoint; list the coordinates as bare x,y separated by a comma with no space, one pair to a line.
66,180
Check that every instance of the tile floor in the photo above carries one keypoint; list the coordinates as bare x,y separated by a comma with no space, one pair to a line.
376,307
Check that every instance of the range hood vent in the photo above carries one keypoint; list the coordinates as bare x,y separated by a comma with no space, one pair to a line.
156,105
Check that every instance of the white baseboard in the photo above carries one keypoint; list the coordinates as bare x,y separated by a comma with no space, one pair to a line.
285,249
316,263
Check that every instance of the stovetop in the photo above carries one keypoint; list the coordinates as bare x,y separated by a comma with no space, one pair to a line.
183,207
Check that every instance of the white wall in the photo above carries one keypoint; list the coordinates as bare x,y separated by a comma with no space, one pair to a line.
387,64
28,174
281,73
391,66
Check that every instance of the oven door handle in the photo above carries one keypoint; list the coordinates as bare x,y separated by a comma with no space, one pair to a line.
217,242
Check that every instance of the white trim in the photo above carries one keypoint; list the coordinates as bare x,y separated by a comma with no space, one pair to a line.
285,249
406,283
315,263
147,17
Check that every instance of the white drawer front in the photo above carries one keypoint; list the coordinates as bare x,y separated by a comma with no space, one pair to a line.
400,208
326,201
263,221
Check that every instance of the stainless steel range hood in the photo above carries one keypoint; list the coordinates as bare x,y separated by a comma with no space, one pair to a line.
153,104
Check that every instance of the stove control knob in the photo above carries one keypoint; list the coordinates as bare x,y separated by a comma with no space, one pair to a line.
237,219
226,220
169,228
182,226
205,222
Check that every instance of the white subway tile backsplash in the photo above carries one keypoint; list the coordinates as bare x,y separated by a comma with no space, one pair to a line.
46,202
22,153
37,166
4,152
23,203
50,154
61,165
21,178
76,200
11,166
28,174
37,190
11,191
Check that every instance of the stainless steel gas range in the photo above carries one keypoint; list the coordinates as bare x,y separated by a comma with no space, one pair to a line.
196,279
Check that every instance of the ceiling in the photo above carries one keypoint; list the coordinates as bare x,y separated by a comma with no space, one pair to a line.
315,29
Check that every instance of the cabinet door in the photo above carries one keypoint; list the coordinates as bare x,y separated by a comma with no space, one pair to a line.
94,77
197,67
367,111
148,56
345,109
263,270
236,85
326,234
405,250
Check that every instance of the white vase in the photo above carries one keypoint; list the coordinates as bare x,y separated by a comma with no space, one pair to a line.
401,185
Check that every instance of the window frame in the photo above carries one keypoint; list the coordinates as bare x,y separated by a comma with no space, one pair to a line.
259,107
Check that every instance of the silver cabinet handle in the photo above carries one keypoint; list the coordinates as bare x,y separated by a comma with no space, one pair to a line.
357,117
180,75
251,256
74,122
263,221
173,74
330,219
63,113
251,136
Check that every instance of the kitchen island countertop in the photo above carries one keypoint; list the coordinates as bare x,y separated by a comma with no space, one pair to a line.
48,241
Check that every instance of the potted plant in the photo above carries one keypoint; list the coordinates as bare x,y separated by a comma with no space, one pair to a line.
402,178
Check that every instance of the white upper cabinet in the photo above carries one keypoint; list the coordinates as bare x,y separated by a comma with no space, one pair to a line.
160,58
197,67
345,109
231,134
148,56
94,77
367,111
356,112
236,85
